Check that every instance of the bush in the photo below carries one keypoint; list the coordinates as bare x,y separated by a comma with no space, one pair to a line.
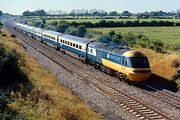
4,34
176,47
1,24
79,31
13,36
105,39
130,39
176,63
36,23
54,23
9,67
61,27
158,46
176,77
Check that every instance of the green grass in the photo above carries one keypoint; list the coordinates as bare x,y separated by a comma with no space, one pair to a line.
170,35
97,20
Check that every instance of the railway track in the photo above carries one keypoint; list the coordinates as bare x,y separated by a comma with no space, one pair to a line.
163,96
167,97
135,107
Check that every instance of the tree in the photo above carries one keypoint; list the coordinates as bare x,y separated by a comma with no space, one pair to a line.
62,27
43,21
35,13
126,13
178,13
113,13
0,13
112,33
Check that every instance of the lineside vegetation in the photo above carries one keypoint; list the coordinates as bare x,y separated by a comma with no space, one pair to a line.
29,91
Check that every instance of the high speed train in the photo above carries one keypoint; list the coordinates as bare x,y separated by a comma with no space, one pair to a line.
116,58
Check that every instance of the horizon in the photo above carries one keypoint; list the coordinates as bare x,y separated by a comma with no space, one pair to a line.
17,7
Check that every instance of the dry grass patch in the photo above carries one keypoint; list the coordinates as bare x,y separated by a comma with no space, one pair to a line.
164,65
47,99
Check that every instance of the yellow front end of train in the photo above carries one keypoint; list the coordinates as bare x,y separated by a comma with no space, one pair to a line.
135,66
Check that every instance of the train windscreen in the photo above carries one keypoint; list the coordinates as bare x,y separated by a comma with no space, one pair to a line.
138,62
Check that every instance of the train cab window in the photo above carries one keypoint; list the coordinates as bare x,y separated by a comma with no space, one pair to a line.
125,61
80,47
120,59
91,51
76,45
73,44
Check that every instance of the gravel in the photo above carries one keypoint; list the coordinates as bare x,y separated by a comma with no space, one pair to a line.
107,107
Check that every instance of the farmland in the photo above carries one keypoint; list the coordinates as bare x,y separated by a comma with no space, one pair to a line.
79,20
170,35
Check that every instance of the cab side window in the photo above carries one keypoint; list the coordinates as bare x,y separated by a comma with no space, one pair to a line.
125,61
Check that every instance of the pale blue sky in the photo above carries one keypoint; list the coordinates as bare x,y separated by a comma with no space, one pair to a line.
18,6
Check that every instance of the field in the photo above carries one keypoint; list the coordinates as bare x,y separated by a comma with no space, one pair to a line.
94,20
170,35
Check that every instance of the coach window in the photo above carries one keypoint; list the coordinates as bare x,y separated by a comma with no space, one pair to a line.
76,45
70,43
61,40
65,42
73,44
80,47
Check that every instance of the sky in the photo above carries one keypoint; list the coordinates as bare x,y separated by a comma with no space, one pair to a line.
17,7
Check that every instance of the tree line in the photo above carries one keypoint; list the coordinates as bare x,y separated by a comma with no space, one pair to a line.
98,12
107,23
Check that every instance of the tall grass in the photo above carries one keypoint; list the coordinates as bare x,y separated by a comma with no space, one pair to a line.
46,99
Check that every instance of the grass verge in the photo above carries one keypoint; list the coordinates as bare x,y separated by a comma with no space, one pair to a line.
45,99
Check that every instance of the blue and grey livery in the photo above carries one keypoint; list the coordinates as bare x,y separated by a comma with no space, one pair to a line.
117,58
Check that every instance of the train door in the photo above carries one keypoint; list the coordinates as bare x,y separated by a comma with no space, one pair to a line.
124,64
99,56
58,47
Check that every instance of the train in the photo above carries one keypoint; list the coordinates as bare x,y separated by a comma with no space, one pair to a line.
110,58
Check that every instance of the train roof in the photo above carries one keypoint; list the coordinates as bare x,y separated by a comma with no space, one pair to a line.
114,49
77,39
52,33
38,29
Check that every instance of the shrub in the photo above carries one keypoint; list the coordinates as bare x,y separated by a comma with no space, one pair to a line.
13,36
176,47
176,63
82,30
176,77
54,23
105,39
36,23
61,27
158,46
1,24
130,39
4,34
79,31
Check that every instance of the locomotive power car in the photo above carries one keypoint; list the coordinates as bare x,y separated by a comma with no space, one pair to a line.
116,58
